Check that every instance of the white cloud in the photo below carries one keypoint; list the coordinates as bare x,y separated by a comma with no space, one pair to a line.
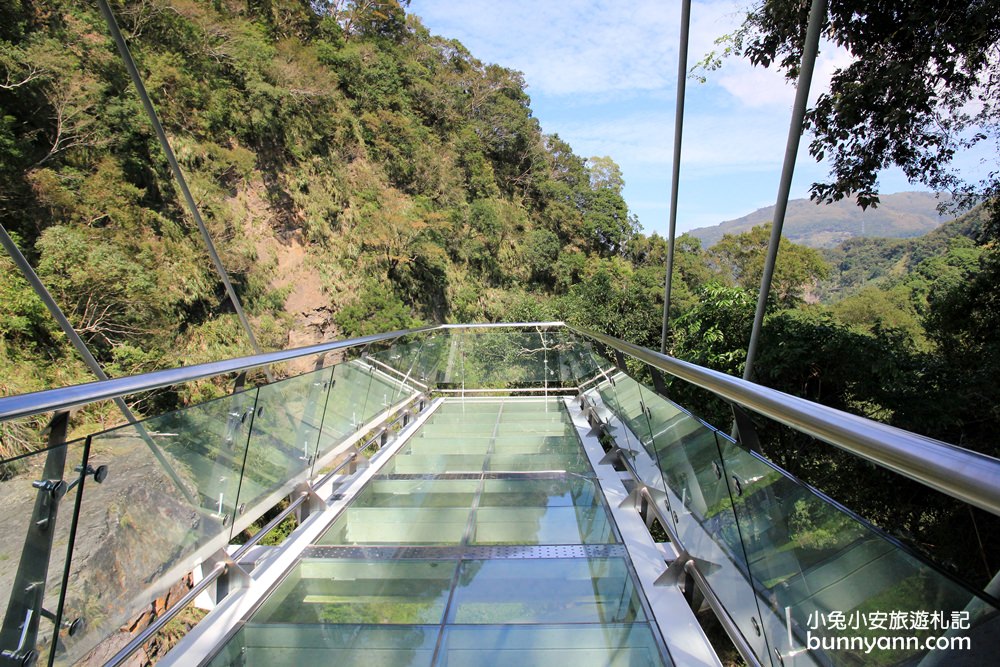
602,75
575,47
758,87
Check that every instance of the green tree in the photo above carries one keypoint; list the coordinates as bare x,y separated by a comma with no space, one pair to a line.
740,258
716,331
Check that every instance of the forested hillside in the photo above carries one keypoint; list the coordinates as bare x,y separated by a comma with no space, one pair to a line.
359,174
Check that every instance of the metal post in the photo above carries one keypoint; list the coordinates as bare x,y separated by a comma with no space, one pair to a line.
682,56
57,314
817,16
176,169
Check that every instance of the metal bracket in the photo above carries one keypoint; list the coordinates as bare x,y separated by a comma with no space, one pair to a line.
746,433
100,473
634,497
313,502
658,382
612,457
672,575
233,577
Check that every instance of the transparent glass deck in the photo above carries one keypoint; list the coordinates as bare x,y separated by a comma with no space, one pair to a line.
483,541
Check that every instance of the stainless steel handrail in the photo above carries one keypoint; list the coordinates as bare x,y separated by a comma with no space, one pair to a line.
969,476
63,398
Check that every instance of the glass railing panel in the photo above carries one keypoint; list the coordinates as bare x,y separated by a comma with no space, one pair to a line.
590,363
347,405
824,579
505,358
346,411
562,346
632,411
450,373
698,503
431,358
37,550
397,356
628,423
498,358
168,501
284,435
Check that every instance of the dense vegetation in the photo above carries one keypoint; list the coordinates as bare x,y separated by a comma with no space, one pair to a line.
359,174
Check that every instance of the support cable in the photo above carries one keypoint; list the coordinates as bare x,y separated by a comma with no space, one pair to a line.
176,169
817,17
57,314
682,57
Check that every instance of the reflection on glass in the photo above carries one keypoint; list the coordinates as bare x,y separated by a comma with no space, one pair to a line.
406,512
399,525
165,503
683,462
540,511
808,559
283,440
361,592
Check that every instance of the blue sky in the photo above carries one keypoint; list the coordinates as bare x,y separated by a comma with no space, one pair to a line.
602,75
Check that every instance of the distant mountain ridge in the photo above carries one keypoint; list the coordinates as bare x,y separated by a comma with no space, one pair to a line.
899,215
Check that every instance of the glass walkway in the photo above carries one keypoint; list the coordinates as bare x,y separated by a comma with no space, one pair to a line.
468,495
482,541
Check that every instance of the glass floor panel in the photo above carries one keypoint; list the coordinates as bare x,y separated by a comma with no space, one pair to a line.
435,582
536,444
545,590
361,592
541,525
399,525
418,493
558,492
410,461
575,462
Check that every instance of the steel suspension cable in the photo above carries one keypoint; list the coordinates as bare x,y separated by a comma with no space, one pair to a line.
817,16
682,57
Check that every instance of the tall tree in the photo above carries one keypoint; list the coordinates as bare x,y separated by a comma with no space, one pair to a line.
740,257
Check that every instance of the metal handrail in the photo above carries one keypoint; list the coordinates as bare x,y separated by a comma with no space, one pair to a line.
63,398
969,476
963,474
